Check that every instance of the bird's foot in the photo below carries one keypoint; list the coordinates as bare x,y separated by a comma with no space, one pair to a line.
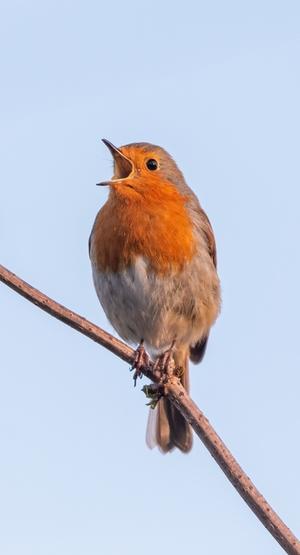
141,359
179,371
165,362
154,393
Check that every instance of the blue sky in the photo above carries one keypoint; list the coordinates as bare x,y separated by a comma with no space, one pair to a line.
217,84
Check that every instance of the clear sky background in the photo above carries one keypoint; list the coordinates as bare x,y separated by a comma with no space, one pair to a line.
218,85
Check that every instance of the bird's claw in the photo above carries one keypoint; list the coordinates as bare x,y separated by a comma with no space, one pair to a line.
165,362
141,360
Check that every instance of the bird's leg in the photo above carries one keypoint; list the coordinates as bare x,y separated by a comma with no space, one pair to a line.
141,359
165,362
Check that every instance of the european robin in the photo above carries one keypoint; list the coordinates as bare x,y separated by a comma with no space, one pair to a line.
153,256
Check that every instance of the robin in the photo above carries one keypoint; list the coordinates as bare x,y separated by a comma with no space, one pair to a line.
153,256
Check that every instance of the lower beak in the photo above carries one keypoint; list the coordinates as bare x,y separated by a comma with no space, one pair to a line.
123,166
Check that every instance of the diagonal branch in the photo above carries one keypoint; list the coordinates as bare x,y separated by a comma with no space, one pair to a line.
183,402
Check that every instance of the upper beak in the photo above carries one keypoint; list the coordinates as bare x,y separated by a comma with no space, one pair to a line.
123,166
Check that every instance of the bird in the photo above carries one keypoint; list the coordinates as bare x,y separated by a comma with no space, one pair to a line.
154,268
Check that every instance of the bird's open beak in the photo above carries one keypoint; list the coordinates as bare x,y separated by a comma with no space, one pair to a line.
123,166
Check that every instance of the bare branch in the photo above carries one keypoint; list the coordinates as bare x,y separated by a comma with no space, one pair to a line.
177,394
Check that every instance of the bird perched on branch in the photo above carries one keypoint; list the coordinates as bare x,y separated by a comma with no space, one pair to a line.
153,258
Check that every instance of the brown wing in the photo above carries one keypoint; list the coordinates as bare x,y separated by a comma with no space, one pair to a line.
197,351
209,236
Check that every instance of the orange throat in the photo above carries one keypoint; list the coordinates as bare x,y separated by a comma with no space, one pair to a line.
155,226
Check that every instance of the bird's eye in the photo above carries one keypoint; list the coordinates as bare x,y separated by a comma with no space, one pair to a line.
152,164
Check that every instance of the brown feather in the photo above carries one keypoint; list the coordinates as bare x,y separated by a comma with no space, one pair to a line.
172,430
197,351
209,236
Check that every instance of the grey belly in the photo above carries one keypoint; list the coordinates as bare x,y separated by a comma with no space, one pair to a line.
141,305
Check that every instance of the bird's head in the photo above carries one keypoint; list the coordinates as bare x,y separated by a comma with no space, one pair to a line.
144,170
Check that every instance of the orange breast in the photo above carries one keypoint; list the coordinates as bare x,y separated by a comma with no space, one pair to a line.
156,226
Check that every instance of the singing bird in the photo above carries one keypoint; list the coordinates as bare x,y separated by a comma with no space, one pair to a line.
153,257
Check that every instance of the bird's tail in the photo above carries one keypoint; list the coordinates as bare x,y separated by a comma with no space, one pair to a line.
166,426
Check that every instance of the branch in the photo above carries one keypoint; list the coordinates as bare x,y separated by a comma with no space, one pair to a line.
179,397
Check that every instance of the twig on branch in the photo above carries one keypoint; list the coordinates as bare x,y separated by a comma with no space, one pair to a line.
178,396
